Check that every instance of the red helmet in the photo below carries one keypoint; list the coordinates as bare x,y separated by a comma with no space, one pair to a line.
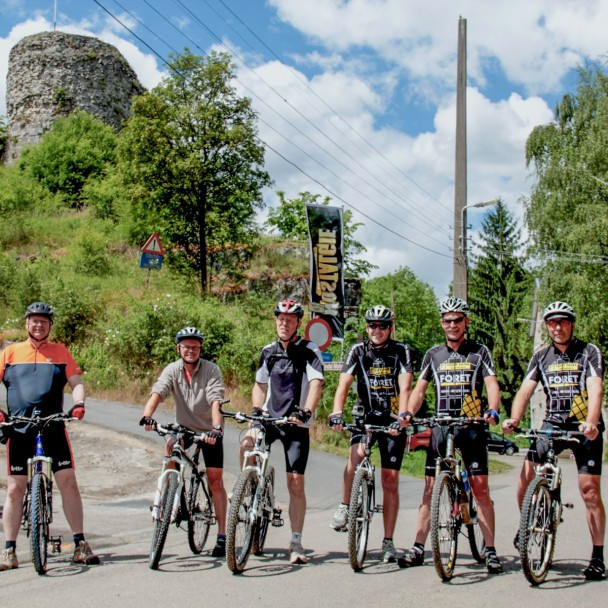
290,307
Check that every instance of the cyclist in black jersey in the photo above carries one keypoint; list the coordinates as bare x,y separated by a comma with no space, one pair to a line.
289,382
572,375
460,369
384,373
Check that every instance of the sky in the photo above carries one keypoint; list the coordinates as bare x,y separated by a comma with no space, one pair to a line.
356,98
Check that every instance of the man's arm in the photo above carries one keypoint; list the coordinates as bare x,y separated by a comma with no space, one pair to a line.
258,394
493,393
78,395
344,383
315,390
405,390
416,400
520,403
595,386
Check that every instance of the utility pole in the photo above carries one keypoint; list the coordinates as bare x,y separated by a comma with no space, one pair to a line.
459,282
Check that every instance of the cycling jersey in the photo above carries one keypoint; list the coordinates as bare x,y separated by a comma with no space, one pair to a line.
564,377
377,370
35,377
458,376
288,374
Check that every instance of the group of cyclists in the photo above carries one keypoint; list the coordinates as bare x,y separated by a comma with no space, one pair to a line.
289,382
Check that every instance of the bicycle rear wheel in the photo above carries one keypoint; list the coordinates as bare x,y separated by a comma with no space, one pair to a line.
445,525
241,525
200,513
359,517
264,520
39,522
537,531
476,540
161,525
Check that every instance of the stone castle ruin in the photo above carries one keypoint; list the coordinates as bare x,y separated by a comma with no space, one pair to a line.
53,73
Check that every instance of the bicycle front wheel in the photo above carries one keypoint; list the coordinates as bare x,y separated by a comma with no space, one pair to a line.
476,540
240,528
445,524
200,513
162,523
264,520
359,517
39,522
536,531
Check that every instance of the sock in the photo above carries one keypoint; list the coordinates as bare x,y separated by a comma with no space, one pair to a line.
78,538
221,538
10,544
419,547
296,537
388,539
598,552
490,550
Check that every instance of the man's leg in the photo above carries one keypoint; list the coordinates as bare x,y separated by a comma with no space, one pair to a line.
70,497
218,495
355,456
485,507
297,501
415,556
589,487
525,477
11,519
390,500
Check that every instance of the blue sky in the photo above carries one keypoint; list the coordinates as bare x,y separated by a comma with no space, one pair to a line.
361,99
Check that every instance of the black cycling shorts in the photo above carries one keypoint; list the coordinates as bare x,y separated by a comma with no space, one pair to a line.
472,442
22,446
213,455
391,447
588,454
296,445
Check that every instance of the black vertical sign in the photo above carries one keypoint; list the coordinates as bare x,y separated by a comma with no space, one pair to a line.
326,230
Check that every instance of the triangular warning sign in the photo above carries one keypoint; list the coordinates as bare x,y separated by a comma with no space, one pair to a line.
153,245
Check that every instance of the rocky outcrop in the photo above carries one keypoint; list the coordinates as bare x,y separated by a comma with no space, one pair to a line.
53,73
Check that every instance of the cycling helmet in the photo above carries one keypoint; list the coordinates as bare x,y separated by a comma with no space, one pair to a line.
559,310
453,304
290,307
41,309
379,313
192,333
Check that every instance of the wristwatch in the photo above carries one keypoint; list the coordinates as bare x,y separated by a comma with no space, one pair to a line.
217,427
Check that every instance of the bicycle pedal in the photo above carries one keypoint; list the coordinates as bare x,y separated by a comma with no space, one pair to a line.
568,505
277,520
378,509
55,543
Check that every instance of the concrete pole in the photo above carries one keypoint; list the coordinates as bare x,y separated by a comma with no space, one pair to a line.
460,190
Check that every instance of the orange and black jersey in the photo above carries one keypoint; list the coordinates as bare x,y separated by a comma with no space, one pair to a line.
35,377
458,376
564,377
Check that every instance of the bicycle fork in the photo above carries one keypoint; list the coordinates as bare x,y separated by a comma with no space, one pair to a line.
163,479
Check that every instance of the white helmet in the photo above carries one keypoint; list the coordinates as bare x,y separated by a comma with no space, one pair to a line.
379,313
559,310
453,304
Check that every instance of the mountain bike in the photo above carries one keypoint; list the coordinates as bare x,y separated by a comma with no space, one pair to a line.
542,507
362,504
452,503
182,493
38,498
252,506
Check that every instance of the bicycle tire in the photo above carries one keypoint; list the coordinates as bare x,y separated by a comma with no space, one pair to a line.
264,520
445,525
359,517
39,523
241,524
476,540
200,513
537,530
162,523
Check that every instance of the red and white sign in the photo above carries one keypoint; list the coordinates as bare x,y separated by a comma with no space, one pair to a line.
153,245
319,331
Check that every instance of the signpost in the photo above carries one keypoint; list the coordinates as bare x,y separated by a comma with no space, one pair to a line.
151,255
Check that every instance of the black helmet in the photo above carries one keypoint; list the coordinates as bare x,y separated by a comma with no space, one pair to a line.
41,309
559,310
290,307
379,313
192,333
453,304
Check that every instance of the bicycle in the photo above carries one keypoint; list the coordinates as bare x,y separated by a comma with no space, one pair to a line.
362,504
252,506
38,499
181,496
452,502
541,510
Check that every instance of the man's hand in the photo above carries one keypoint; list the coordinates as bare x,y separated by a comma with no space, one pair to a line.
77,411
589,430
510,425
300,416
405,419
335,421
148,423
491,417
2,416
394,428
257,411
215,434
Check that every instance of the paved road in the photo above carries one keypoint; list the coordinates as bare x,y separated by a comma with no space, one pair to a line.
121,531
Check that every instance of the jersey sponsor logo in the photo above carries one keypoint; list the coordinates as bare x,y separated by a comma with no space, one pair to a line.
455,379
63,463
564,366
17,468
561,380
380,371
456,365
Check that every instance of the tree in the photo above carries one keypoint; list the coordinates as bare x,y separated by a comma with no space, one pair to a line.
566,213
289,219
498,289
191,157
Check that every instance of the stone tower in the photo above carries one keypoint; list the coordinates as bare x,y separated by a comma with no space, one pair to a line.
53,73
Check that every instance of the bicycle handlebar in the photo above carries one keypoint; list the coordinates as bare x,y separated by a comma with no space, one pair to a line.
39,421
447,421
243,417
370,428
178,429
562,434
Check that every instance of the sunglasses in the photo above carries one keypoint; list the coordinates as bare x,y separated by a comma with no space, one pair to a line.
378,325
454,321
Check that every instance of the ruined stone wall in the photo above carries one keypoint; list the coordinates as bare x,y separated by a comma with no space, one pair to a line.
53,73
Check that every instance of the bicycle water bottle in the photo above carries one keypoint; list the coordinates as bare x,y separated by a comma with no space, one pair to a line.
465,480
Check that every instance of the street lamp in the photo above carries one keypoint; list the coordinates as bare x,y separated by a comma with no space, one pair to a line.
463,238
